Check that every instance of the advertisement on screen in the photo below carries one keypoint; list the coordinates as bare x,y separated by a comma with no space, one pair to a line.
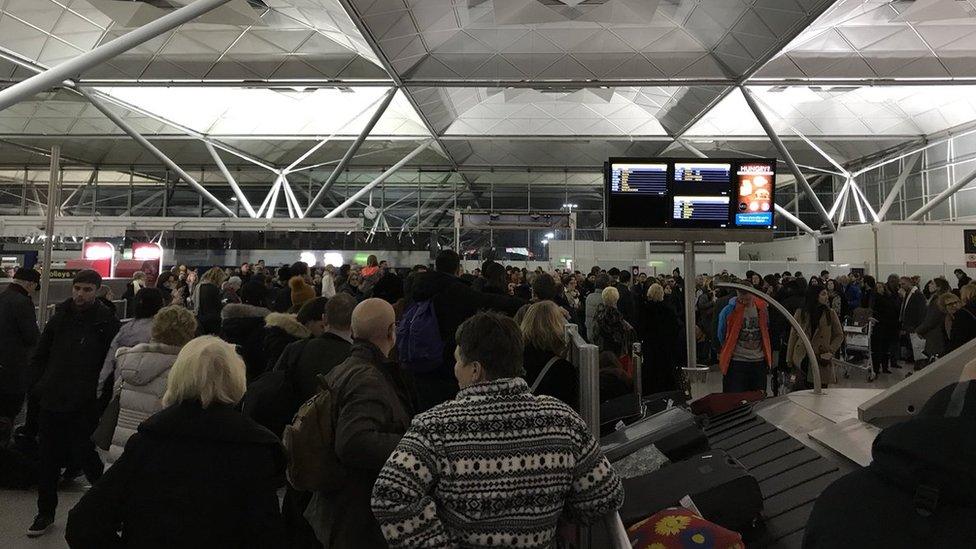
754,207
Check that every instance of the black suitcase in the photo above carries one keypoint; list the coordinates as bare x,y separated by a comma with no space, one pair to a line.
675,432
717,483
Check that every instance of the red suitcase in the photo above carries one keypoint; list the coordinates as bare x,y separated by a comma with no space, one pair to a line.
719,403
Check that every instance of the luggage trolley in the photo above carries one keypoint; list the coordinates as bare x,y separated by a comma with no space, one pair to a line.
857,344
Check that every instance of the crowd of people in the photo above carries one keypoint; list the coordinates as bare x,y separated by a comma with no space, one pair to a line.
453,402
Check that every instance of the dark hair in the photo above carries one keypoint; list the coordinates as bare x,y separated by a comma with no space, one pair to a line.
338,311
284,273
147,303
298,268
798,274
495,276
447,261
942,285
613,271
602,281
372,261
544,287
811,306
254,293
494,341
312,310
625,276
88,276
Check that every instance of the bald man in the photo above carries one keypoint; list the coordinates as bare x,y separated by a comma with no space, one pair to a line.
375,408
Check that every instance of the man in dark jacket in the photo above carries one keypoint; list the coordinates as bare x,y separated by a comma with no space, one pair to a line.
375,407
626,304
913,308
454,302
305,361
18,336
68,360
920,489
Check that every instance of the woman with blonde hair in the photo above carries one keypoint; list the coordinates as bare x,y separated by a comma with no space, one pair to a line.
143,371
613,333
659,333
547,371
197,473
964,321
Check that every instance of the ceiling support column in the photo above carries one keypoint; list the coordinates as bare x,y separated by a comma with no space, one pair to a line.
238,192
902,177
781,147
73,68
942,197
379,179
124,126
353,149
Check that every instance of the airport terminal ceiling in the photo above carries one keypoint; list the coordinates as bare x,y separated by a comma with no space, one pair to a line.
488,104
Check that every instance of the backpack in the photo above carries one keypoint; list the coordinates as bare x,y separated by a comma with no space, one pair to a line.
420,348
313,465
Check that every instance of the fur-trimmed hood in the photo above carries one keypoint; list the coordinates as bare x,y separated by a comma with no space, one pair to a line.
243,310
288,323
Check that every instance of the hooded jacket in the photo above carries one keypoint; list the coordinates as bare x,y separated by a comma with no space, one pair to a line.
191,477
280,329
454,302
143,371
242,325
920,490
18,336
130,334
70,356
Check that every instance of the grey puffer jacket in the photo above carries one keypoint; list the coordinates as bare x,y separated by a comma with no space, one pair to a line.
130,334
143,371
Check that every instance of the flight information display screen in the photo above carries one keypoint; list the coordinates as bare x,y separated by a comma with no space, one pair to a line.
699,193
639,178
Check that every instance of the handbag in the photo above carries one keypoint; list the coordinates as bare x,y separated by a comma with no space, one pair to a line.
102,437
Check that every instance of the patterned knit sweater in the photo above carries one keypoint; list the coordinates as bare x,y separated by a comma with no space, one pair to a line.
496,467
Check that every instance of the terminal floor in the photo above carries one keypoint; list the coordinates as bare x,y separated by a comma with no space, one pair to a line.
17,507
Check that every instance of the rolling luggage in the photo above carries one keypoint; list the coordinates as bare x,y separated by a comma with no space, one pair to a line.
675,433
717,483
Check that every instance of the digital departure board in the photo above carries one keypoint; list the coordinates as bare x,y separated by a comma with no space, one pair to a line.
639,178
690,194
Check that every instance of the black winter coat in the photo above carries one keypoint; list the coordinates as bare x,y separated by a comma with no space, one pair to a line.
627,305
243,325
963,327
562,380
208,309
886,309
878,506
18,336
660,334
70,355
190,477
280,330
454,302
305,360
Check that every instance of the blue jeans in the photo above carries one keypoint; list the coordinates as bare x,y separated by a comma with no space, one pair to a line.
745,376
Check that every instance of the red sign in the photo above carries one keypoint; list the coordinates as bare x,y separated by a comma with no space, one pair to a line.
99,256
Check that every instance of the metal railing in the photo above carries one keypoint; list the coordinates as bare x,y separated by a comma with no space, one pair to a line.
586,357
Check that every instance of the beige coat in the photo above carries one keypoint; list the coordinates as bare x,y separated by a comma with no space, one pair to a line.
827,339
